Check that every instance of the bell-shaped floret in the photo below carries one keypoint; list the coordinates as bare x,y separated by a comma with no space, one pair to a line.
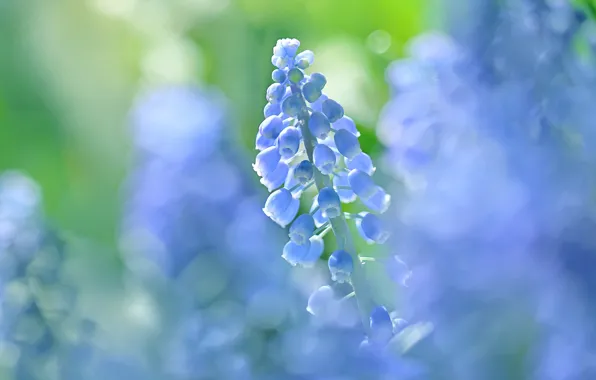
362,184
317,215
281,207
333,110
379,202
319,126
305,255
321,300
305,59
329,202
324,159
302,229
342,186
277,177
347,144
371,228
271,126
288,142
266,161
362,162
271,109
340,265
311,92
304,172
275,92
278,76
381,326
348,124
262,142
293,105
318,80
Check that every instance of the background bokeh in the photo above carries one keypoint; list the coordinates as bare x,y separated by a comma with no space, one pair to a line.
71,69
132,240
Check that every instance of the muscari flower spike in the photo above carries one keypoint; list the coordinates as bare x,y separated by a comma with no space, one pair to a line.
308,134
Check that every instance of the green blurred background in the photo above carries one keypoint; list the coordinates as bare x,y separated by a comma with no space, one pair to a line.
70,69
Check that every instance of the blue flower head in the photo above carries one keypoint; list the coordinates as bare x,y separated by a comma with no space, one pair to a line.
319,143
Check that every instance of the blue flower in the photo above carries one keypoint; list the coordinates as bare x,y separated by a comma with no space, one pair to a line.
271,127
312,93
318,80
315,135
271,109
362,162
329,202
302,229
304,172
371,228
275,93
278,76
281,207
318,214
267,161
324,159
347,144
35,298
342,187
478,127
319,125
348,124
381,326
333,110
341,266
379,202
276,178
362,184
262,143
288,142
292,105
320,300
305,255
304,59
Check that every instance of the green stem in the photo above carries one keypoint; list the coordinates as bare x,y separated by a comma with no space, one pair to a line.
341,232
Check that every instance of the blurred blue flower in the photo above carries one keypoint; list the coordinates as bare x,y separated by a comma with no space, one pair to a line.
497,174
35,298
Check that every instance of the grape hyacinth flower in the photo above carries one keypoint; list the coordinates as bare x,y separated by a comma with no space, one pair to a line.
196,239
311,134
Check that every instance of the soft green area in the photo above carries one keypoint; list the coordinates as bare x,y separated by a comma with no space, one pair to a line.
69,71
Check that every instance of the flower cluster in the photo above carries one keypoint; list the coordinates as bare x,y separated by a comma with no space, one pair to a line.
36,302
495,141
307,141
195,237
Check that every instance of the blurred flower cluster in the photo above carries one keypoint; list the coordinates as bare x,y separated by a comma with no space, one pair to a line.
40,336
491,130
